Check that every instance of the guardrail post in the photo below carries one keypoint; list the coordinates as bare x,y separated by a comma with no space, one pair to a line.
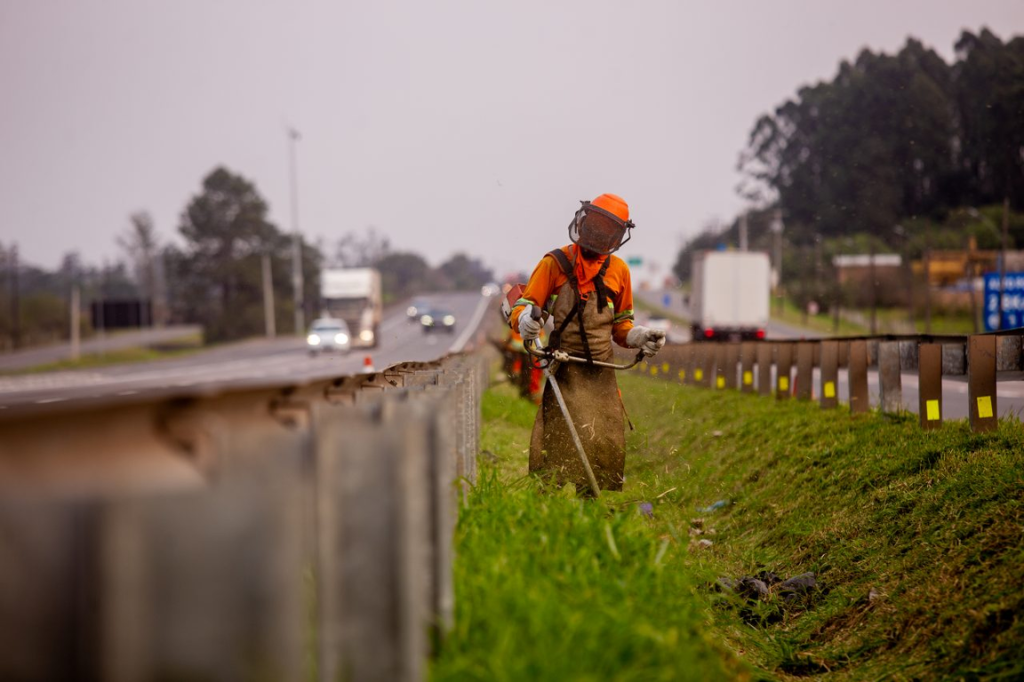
47,632
373,590
829,374
721,371
929,373
804,370
689,363
216,578
682,356
1008,353
889,378
857,374
981,382
706,368
443,500
748,356
732,356
695,371
783,369
764,367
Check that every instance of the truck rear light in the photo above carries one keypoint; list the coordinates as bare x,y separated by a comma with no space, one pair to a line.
708,333
760,334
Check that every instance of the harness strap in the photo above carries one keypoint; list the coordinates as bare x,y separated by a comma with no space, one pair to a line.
566,266
603,298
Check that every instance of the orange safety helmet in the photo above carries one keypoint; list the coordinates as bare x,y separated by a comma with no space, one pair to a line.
613,203
601,224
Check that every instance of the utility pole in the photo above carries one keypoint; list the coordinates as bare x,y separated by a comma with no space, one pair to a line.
1002,258
12,274
297,283
743,231
76,325
268,299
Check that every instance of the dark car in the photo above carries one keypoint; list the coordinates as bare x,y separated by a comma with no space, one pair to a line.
436,319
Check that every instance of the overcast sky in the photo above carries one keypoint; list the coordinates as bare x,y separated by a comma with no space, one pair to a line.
459,125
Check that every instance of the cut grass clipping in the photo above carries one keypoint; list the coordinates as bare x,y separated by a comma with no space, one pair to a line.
915,541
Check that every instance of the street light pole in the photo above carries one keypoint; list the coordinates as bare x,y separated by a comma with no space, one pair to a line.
297,282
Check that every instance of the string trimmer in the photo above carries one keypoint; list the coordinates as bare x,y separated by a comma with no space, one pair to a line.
552,357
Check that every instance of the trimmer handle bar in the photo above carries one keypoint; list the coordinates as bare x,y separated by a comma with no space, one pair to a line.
534,348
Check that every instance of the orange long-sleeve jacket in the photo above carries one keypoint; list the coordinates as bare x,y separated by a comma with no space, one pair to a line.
548,278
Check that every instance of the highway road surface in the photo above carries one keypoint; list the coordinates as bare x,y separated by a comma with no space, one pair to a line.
252,363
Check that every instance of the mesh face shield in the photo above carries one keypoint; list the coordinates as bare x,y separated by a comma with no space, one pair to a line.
598,230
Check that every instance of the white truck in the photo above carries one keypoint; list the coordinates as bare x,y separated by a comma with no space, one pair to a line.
354,295
729,295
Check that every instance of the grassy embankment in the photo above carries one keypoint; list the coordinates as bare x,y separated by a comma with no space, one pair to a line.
175,348
887,320
915,540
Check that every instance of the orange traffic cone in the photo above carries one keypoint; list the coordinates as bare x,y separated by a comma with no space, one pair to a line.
368,365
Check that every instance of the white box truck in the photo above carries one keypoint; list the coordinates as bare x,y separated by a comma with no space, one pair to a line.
354,295
730,295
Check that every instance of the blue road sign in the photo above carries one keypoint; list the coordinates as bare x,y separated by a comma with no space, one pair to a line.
1013,301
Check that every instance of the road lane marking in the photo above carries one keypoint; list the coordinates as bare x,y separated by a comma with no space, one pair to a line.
470,329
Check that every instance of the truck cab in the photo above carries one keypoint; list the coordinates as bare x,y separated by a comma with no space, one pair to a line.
354,295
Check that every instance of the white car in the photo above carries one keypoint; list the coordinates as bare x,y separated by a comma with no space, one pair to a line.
416,309
328,334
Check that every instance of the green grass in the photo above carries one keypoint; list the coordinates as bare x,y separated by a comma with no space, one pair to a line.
822,323
931,521
887,319
947,324
930,525
550,587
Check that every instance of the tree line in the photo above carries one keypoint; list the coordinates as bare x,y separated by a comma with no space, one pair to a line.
213,275
897,153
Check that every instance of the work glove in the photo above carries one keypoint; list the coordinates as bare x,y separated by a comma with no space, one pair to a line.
650,341
529,328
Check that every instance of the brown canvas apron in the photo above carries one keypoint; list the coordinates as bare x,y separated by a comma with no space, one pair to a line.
592,396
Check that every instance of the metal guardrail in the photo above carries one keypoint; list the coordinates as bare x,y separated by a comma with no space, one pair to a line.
735,365
253,534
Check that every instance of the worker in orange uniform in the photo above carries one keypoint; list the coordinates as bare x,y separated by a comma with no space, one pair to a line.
587,292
